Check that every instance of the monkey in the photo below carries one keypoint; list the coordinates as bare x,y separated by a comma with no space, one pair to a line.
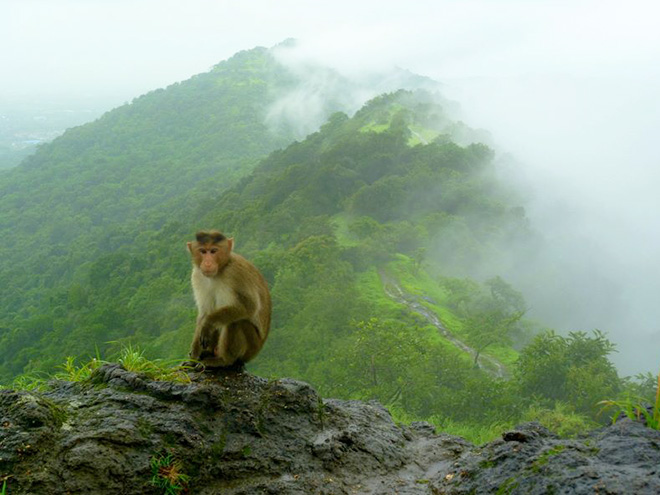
233,303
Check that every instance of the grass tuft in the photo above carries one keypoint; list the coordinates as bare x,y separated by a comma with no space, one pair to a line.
130,357
478,434
635,408
167,474
37,382
133,359
74,373
560,419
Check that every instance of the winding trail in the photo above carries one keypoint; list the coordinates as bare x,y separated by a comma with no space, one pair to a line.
394,291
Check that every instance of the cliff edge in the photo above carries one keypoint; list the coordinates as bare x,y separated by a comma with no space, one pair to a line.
236,433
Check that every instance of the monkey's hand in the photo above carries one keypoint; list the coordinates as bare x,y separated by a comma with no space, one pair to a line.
208,337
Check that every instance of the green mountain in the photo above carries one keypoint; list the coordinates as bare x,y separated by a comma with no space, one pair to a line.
72,210
356,228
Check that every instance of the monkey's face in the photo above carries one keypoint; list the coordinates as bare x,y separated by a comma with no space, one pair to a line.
210,258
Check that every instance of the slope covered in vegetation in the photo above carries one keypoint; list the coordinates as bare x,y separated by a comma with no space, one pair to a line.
70,212
88,205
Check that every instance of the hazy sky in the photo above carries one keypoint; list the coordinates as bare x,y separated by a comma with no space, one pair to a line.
136,45
572,88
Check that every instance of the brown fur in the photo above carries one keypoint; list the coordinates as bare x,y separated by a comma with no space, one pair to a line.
233,303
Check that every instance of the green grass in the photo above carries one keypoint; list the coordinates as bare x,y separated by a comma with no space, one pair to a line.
635,408
167,474
130,357
341,223
133,359
430,294
374,127
418,282
561,419
30,381
74,373
505,355
478,434
371,287
4,488
421,135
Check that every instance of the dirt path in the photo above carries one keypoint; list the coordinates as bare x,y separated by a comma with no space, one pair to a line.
395,292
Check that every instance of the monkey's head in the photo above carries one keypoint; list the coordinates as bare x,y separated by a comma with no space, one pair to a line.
210,251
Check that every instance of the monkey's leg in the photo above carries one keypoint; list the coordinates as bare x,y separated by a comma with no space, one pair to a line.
253,343
238,343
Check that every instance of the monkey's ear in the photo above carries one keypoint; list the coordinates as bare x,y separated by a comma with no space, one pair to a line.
189,244
230,244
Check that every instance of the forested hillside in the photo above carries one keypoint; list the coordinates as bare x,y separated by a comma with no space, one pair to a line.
94,229
70,212
73,212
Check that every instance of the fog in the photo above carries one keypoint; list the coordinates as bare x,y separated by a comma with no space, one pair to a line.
570,88
587,149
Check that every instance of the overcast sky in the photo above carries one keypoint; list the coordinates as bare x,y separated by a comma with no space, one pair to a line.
142,44
572,88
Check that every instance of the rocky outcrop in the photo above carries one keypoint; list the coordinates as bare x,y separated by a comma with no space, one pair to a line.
236,434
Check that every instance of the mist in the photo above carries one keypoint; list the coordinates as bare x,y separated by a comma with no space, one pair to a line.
569,89
588,154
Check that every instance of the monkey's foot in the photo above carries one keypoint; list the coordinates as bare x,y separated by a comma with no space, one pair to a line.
193,366
237,367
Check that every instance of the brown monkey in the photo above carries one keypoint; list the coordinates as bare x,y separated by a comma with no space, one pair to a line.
233,303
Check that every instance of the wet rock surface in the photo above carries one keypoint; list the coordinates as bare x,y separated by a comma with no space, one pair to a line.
620,459
236,433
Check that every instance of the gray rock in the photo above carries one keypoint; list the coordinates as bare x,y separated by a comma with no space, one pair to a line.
235,433
620,459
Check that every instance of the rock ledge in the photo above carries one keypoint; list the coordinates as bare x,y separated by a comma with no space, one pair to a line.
240,434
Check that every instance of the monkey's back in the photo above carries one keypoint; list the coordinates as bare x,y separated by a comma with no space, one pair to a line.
254,287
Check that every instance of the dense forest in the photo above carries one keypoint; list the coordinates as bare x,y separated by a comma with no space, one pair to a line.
397,198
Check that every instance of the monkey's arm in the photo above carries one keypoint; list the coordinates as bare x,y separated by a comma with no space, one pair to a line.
242,309
196,346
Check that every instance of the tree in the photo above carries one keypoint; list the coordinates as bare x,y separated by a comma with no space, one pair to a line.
385,359
490,326
493,316
573,369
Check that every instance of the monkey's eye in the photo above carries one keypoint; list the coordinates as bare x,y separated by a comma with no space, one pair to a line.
214,250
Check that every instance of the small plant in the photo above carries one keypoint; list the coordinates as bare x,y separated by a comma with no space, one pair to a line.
74,373
561,419
133,359
4,488
167,475
31,382
635,409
